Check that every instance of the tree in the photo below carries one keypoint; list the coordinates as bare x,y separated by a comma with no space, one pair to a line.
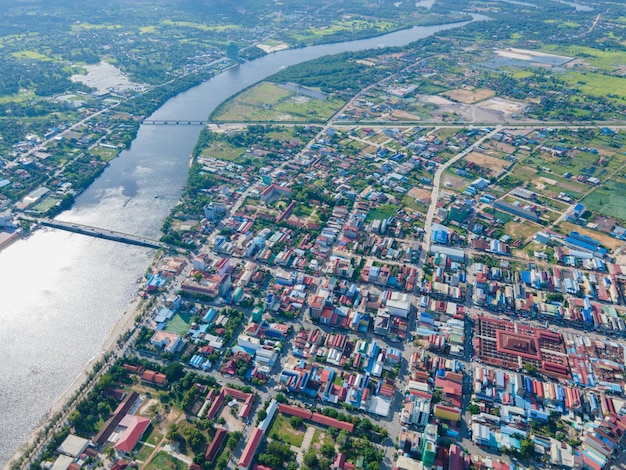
174,371
310,458
281,398
262,414
327,450
473,409
527,448
295,422
530,368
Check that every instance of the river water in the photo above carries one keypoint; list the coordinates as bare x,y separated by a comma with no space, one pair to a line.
62,293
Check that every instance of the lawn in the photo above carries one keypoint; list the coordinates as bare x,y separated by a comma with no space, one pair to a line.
163,460
283,431
179,323
144,453
609,200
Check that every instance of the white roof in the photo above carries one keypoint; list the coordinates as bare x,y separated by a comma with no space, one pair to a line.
73,445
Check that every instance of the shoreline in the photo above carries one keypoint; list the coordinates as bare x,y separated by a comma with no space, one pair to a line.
68,398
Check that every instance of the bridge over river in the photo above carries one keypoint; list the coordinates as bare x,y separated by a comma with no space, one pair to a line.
174,122
106,234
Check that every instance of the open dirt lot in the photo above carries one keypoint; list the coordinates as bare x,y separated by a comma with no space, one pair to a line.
419,193
454,182
501,105
495,165
403,115
469,96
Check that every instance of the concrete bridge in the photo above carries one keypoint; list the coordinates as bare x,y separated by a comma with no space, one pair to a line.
105,234
174,122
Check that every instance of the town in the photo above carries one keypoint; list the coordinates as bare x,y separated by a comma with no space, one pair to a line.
347,328
426,273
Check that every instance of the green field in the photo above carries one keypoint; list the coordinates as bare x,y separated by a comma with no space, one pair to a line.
105,154
608,200
179,323
607,60
283,431
30,55
596,84
340,26
223,151
383,211
46,204
269,102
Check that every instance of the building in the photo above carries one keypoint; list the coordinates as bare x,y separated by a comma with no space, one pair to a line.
251,447
503,343
166,341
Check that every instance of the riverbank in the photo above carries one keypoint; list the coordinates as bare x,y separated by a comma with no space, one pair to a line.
80,386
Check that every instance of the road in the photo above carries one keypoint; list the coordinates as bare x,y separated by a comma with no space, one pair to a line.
434,197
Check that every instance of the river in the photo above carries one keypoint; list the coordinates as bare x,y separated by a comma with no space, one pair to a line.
62,293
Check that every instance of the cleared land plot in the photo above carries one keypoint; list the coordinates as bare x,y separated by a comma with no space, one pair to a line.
469,96
269,102
609,200
494,165
420,194
282,430
506,107
451,181
521,230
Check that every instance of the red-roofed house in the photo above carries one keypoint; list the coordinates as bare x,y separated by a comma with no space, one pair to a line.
134,427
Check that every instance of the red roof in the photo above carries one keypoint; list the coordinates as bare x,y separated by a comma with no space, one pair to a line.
135,427
216,445
295,411
250,449
332,422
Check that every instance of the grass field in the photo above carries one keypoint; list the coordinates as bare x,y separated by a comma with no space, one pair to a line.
520,230
269,102
607,60
200,26
163,460
382,211
179,323
596,84
354,25
223,151
609,200
105,154
32,55
46,204
283,431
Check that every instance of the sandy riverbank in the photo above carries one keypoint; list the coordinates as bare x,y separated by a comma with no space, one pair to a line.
124,324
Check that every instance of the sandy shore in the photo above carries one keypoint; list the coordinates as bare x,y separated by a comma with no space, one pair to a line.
123,324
